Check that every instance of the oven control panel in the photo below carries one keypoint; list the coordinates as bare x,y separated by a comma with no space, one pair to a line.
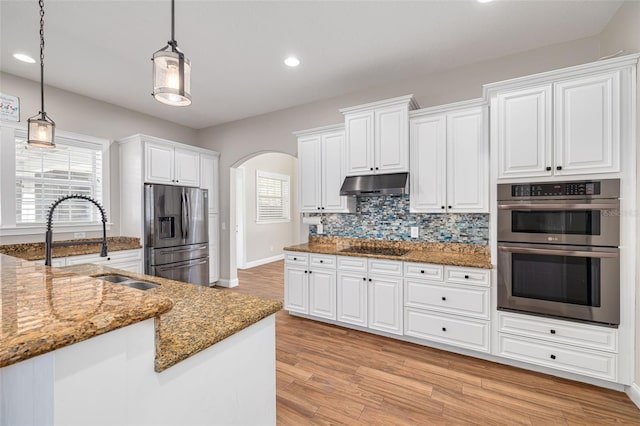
555,189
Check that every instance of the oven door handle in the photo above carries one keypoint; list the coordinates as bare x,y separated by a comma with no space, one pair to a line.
559,206
570,253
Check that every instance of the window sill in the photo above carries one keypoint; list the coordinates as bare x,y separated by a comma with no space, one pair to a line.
57,228
268,222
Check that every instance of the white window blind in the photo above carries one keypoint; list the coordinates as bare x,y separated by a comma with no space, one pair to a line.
273,199
44,175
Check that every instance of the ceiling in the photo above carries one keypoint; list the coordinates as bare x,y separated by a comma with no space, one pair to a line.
102,49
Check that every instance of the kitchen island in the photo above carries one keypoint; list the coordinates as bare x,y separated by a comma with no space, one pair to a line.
76,349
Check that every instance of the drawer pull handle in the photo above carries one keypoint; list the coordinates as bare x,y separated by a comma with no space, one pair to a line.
444,298
444,328
552,331
553,357
466,277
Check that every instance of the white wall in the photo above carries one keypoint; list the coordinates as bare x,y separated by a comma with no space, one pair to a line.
267,240
623,33
80,114
272,132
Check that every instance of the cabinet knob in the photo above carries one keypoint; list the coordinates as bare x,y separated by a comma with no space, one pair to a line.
444,298
322,208
295,258
553,357
306,272
444,328
448,206
548,168
442,207
371,168
466,277
364,278
310,271
558,167
108,258
177,181
321,261
422,271
552,331
318,208
376,168
369,279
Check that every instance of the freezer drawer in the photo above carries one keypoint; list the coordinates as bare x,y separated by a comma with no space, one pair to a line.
192,271
162,256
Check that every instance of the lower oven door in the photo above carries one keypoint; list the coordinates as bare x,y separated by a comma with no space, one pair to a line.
574,282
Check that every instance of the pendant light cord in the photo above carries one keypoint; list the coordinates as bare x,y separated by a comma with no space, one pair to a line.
173,43
41,2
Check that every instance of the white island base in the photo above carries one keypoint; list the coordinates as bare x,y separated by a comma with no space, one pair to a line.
110,380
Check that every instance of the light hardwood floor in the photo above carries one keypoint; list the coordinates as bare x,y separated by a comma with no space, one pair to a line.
333,375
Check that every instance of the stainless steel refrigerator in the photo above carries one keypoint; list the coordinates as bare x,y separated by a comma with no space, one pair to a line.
176,233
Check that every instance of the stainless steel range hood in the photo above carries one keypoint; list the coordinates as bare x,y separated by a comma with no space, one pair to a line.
391,184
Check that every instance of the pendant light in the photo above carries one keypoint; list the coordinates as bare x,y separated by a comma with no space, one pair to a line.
41,128
171,72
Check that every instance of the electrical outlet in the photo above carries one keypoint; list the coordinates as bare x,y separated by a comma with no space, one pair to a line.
79,235
319,229
415,232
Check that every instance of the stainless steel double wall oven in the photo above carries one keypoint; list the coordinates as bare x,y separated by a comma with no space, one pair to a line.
558,249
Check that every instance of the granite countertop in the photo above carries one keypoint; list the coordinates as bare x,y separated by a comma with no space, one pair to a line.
43,308
468,255
201,316
35,251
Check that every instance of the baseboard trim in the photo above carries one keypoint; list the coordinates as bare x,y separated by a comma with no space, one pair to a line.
227,283
633,392
259,262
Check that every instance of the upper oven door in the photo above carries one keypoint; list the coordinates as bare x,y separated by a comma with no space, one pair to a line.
576,222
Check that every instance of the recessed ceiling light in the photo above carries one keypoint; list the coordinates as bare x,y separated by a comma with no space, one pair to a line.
484,1
24,58
292,61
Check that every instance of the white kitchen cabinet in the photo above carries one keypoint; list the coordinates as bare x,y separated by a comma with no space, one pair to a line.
322,293
214,248
377,136
567,122
209,178
126,260
449,159
321,167
170,165
310,284
296,289
385,303
352,298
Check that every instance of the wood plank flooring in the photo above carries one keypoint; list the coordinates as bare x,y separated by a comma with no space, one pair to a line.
331,375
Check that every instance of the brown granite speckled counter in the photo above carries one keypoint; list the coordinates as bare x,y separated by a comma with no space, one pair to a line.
35,251
43,308
468,255
201,316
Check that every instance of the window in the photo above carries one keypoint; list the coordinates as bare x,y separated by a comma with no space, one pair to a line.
272,190
38,177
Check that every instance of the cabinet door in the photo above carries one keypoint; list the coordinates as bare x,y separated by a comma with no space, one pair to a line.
587,125
296,289
209,179
333,168
359,143
385,304
391,140
158,161
322,293
214,252
467,159
427,186
187,164
352,298
524,132
309,174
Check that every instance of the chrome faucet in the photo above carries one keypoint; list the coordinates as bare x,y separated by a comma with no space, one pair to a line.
48,242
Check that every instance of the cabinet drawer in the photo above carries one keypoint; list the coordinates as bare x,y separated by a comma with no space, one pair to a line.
322,261
385,267
348,263
465,333
112,258
423,270
296,258
474,276
450,298
602,365
576,334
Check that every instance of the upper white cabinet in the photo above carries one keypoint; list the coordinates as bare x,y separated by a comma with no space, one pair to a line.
449,159
166,164
209,172
321,167
377,136
567,122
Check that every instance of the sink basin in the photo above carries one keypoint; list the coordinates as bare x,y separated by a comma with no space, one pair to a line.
128,282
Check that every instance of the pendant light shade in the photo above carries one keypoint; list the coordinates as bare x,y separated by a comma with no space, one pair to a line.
171,72
41,128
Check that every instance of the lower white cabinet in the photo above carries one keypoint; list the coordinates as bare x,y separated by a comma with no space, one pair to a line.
322,293
352,298
296,289
127,260
385,304
310,290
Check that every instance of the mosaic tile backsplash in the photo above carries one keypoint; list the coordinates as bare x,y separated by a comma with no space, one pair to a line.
388,218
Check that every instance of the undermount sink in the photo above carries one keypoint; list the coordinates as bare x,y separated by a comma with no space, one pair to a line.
128,282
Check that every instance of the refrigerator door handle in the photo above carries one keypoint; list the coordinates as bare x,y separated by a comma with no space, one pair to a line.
187,195
183,210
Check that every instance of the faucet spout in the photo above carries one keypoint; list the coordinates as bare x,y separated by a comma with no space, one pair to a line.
48,241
